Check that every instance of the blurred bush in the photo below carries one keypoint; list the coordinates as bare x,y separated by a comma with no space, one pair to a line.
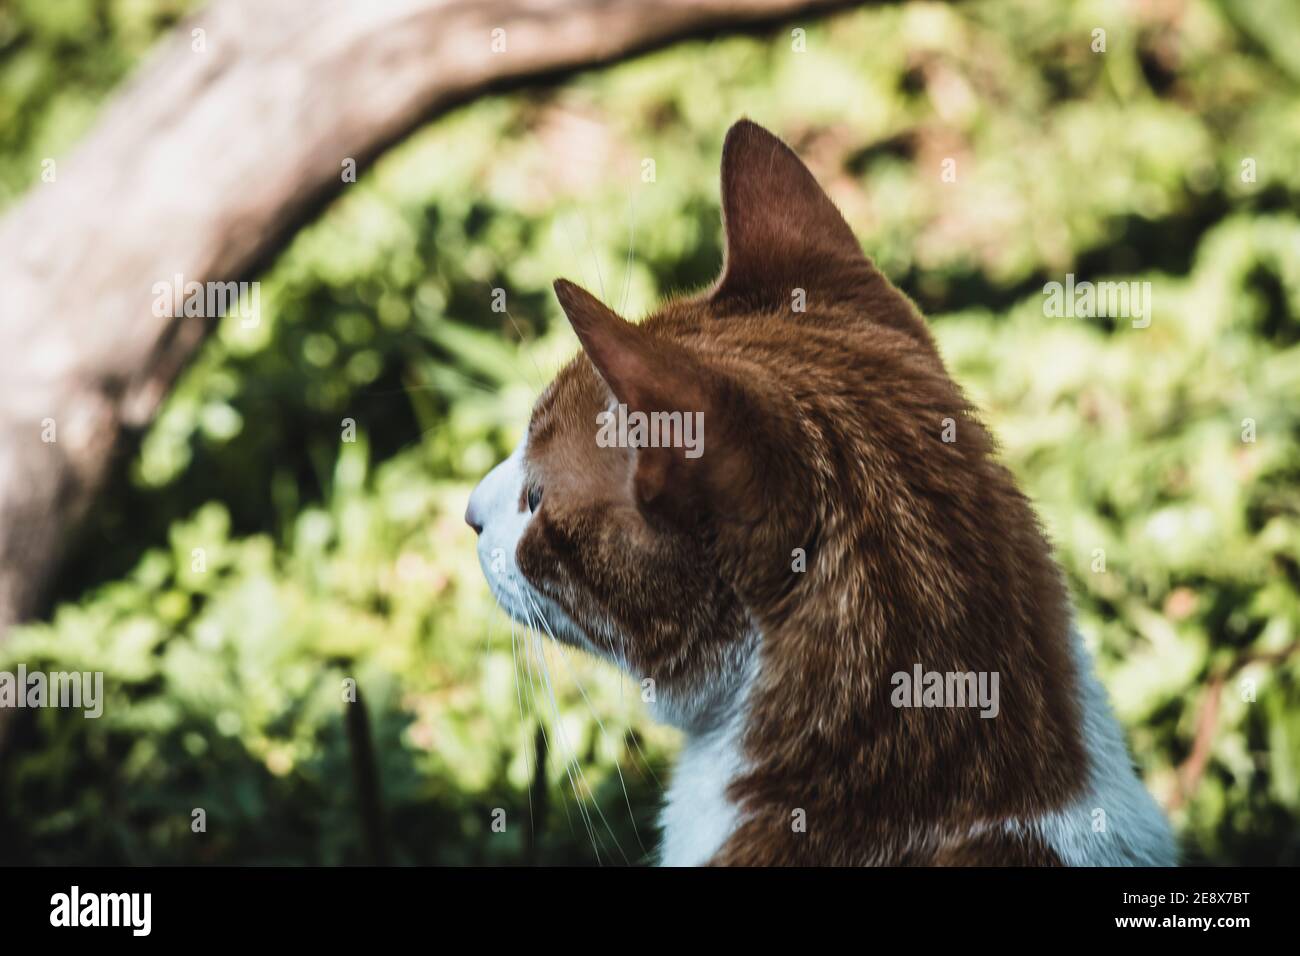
253,557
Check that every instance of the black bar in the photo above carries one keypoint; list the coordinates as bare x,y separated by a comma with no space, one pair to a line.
299,905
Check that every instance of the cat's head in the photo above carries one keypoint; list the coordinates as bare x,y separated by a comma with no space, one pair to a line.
667,560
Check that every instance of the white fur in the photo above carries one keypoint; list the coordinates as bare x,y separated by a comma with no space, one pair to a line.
698,816
1136,832
495,505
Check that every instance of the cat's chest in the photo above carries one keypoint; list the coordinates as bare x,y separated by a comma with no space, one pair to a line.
698,817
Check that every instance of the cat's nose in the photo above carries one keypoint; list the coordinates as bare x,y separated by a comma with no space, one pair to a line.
480,505
472,518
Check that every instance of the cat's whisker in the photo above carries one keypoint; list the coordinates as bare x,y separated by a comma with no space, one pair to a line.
645,760
596,717
487,641
595,802
523,727
631,238
407,386
534,616
523,342
573,247
531,689
559,731
591,247
627,800
587,822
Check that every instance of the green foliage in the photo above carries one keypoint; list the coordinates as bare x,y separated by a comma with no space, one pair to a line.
327,559
58,60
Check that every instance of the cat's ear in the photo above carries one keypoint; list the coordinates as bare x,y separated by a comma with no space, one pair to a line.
647,374
783,233
787,246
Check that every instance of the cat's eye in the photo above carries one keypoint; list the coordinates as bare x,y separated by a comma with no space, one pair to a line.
534,498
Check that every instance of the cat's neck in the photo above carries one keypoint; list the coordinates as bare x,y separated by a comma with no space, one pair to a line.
699,814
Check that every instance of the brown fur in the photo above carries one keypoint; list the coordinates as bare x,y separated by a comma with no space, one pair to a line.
822,432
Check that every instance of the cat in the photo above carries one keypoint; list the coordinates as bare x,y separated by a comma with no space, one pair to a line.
842,529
